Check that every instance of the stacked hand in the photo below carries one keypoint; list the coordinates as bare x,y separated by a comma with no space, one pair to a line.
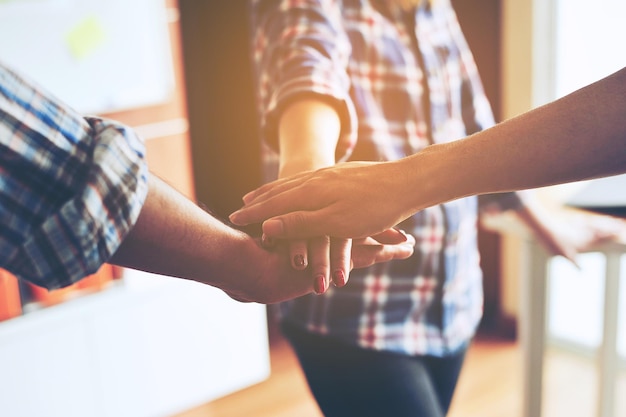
354,199
275,279
323,249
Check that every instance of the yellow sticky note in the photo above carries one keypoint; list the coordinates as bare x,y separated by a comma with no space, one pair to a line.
86,37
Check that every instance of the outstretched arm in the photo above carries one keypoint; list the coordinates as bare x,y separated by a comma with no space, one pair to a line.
580,136
76,193
175,237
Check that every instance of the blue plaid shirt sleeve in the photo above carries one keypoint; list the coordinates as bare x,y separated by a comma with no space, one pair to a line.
71,187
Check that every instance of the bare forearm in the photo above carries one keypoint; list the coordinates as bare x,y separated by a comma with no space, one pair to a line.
308,135
175,237
580,136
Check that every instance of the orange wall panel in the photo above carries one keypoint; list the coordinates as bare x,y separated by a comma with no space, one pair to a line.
10,302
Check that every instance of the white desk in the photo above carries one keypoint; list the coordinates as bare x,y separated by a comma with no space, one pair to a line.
533,278
533,323
533,319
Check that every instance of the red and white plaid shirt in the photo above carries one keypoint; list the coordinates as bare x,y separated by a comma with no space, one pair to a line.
401,80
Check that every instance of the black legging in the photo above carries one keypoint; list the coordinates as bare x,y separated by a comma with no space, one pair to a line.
348,381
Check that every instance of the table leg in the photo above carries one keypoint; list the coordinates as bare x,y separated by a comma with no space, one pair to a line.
607,353
533,320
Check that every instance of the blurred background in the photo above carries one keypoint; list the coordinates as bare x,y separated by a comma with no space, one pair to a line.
126,343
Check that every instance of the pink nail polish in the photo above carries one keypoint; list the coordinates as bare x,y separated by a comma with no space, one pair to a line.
402,232
320,284
339,278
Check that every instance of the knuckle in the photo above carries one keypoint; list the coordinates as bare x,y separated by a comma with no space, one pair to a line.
320,267
298,223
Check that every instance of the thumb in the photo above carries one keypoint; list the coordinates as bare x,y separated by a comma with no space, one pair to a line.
291,226
391,236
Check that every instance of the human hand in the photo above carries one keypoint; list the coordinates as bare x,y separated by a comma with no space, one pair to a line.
322,254
326,257
268,276
389,245
567,232
346,254
349,200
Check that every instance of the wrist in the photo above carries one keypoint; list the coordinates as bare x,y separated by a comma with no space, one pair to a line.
434,175
297,164
217,253
420,171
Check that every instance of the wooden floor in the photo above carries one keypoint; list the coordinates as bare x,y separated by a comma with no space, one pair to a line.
490,386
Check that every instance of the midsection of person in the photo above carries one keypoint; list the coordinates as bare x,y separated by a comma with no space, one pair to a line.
399,81
405,80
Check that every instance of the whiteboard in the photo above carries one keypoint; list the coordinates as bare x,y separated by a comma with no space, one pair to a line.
98,56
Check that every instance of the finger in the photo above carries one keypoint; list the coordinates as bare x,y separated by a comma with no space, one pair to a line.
365,241
368,255
340,254
330,220
556,248
273,188
298,254
370,240
391,236
267,242
299,224
290,201
394,252
319,260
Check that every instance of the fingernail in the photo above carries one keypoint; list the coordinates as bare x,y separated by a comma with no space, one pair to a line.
320,284
298,261
273,227
246,198
339,278
402,232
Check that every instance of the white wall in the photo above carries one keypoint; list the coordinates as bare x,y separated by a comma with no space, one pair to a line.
149,347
